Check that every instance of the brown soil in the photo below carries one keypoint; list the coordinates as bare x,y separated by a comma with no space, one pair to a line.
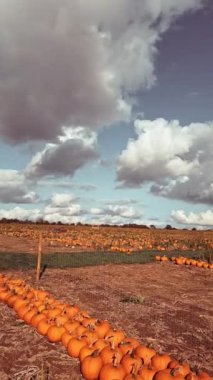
176,315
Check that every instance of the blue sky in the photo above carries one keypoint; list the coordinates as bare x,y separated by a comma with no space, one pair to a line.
106,113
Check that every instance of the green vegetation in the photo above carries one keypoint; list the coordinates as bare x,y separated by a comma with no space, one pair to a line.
74,260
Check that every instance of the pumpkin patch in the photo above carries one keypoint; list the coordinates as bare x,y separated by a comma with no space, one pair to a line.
107,356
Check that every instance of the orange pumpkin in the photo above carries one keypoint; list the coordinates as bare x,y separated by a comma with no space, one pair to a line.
145,353
131,363
54,333
43,326
71,310
66,337
36,319
29,315
86,351
168,374
132,376
70,326
109,354
147,372
160,361
112,372
75,345
102,328
100,344
91,366
183,367
115,336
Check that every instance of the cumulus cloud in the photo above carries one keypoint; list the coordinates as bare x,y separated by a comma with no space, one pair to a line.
14,188
21,214
115,214
204,218
63,208
76,63
75,148
176,160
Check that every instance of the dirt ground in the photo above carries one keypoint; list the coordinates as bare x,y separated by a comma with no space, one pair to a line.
176,315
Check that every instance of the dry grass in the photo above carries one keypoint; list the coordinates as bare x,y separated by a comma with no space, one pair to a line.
32,373
138,299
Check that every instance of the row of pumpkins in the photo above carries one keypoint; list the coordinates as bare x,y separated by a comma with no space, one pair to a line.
180,260
104,353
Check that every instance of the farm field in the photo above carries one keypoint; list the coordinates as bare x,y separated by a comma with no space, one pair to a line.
175,314
159,303
15,237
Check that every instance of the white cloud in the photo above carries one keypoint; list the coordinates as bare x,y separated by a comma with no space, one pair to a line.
15,189
76,63
62,199
115,214
74,149
20,213
204,218
175,159
62,208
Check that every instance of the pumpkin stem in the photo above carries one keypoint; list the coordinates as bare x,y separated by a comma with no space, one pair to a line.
175,371
134,369
114,360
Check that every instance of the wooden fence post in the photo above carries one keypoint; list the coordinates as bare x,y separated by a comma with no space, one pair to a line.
38,271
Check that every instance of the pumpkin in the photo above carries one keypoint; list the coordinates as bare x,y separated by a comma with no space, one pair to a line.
29,314
145,353
36,319
102,328
112,372
4,295
160,361
71,326
11,300
86,351
65,338
168,374
91,366
54,333
203,375
131,363
164,258
30,295
75,345
19,302
192,376
100,344
132,376
71,310
115,336
61,320
126,347
41,294
183,367
110,354
89,321
43,326
134,342
53,312
81,315
23,310
80,330
90,336
147,372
